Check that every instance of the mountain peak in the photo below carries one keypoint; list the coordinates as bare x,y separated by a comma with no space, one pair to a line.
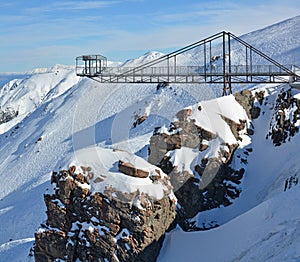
147,57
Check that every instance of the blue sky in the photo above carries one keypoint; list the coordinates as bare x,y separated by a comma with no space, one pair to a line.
37,33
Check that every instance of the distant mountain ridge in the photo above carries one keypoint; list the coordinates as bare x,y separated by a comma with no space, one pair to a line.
279,41
84,145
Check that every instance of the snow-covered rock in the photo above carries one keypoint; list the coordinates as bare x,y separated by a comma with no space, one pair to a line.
62,119
197,148
117,223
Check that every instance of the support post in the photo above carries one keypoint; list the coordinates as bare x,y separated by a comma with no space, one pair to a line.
175,71
229,63
210,60
247,69
204,62
251,74
224,64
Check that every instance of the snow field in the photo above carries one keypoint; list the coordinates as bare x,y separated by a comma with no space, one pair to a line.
64,120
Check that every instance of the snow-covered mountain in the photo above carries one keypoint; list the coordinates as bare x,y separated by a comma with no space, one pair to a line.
279,41
23,96
148,57
57,120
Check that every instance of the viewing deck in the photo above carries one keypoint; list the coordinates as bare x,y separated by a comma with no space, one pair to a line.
188,74
214,65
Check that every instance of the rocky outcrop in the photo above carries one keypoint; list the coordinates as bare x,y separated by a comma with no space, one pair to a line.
182,133
109,225
139,120
213,183
235,127
246,99
284,122
7,114
101,226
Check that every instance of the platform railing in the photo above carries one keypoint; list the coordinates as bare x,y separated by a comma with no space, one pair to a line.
234,70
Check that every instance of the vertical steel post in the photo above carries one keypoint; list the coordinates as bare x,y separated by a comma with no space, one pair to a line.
204,66
210,58
224,64
247,69
251,64
168,60
229,63
133,74
175,71
100,64
210,52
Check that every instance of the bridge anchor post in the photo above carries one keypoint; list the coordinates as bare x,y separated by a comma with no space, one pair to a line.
227,86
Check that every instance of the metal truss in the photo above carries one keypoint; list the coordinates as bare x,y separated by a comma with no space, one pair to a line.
216,62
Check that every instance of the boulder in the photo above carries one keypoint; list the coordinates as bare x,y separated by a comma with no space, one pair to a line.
129,170
102,226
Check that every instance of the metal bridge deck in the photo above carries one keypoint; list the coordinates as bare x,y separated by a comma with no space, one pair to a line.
214,65
188,74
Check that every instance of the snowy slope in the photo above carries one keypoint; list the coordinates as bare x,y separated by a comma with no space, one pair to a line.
61,115
85,114
26,95
268,232
279,41
264,217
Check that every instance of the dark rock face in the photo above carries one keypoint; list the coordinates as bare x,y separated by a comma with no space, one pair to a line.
7,114
107,226
216,186
139,120
287,113
246,99
235,127
211,192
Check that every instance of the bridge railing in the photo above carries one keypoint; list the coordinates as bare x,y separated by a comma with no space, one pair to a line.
195,70
170,73
158,70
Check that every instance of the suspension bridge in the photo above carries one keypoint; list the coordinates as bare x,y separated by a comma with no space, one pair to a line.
222,58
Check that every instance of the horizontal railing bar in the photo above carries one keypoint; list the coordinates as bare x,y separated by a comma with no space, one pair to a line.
268,70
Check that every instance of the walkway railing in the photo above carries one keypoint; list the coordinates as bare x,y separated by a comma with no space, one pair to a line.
187,74
214,65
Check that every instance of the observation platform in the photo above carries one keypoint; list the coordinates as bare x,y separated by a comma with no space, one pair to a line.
215,64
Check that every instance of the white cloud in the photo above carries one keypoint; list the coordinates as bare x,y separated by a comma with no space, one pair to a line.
69,6
83,5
